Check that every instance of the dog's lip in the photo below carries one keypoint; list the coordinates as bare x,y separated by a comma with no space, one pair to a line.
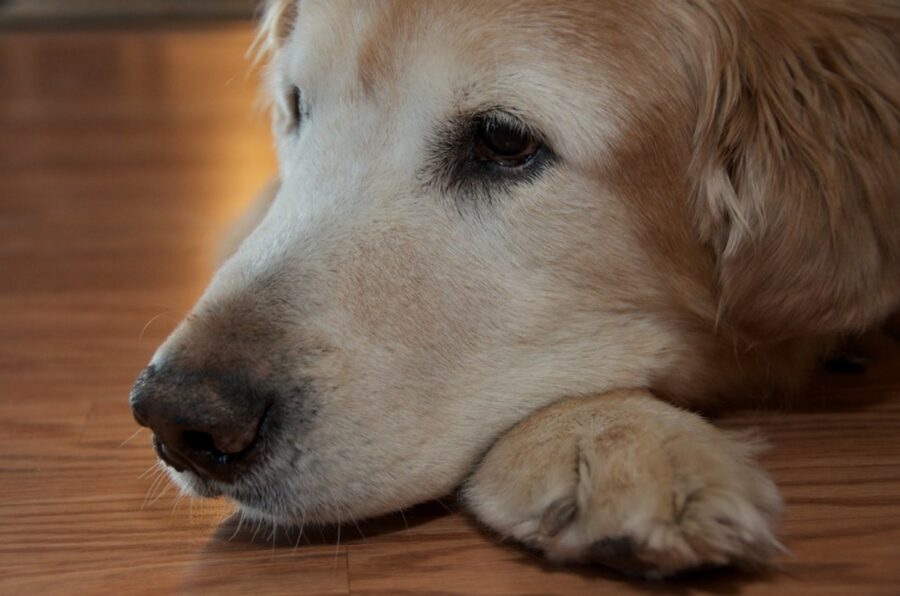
174,460
166,457
199,483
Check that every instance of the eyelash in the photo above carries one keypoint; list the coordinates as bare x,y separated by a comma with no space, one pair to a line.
295,99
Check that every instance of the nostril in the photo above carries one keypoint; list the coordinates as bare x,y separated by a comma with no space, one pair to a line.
223,449
204,443
198,441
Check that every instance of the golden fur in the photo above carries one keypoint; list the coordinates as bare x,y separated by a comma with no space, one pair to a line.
724,209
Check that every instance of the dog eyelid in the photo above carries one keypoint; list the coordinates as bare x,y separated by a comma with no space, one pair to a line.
295,105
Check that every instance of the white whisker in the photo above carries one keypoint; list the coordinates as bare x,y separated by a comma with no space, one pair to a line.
259,524
153,466
136,433
405,523
176,501
353,521
273,536
300,533
166,487
154,318
153,485
337,545
240,524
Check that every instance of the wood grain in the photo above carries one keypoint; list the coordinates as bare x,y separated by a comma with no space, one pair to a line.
122,156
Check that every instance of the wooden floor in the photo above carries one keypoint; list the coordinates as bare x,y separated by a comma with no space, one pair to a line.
122,156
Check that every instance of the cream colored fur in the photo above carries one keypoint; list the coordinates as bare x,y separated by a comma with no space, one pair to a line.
723,206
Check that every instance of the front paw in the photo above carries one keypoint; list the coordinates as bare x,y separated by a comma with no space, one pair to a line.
630,482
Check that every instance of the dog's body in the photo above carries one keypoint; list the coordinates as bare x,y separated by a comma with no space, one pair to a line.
485,209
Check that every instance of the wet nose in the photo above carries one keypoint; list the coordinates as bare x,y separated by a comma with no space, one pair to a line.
208,422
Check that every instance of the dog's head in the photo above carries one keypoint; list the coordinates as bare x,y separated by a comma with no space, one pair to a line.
483,207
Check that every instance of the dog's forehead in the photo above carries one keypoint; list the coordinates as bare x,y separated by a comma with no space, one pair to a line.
374,46
383,39
566,61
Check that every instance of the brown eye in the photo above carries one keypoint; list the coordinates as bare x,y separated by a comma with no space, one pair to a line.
504,145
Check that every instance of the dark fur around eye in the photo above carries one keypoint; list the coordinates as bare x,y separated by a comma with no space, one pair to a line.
478,158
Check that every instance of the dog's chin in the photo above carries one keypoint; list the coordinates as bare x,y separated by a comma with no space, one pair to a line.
249,502
192,485
262,496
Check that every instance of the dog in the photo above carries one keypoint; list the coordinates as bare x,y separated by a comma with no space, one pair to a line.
514,246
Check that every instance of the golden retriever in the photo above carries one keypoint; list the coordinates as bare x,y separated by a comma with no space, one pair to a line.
513,244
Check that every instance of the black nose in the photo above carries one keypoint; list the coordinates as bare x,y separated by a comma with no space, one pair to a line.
210,423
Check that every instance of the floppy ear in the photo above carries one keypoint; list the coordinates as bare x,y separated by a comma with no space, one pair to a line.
797,165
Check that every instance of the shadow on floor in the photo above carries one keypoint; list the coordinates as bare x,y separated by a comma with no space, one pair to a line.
232,535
